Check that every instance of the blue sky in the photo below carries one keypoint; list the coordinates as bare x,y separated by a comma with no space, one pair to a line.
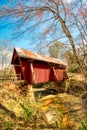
3,28
3,2
8,32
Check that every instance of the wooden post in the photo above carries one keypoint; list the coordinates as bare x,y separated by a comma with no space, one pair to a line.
33,75
54,72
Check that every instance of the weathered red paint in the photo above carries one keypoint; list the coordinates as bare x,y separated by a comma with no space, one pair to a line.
56,74
35,68
26,71
42,72
17,70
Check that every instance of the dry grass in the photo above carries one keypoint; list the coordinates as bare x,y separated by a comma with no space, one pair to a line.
16,102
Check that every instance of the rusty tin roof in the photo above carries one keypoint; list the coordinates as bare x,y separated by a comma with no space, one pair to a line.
38,57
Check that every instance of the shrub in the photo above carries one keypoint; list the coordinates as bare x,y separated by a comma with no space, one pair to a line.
8,125
74,68
83,125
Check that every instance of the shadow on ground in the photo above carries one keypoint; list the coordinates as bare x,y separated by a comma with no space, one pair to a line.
40,93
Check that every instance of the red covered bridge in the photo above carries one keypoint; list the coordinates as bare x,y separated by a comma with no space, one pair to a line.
36,68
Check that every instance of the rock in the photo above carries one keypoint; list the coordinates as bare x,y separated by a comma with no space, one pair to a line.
51,116
64,109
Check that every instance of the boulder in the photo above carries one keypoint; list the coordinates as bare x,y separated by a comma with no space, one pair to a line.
63,109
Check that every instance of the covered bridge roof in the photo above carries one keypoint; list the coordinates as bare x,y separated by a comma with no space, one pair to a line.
37,57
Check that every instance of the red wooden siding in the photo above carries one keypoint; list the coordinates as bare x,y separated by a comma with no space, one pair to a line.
26,71
42,72
56,74
35,68
59,74
18,71
15,55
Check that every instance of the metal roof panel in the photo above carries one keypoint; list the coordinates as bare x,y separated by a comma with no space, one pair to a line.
31,55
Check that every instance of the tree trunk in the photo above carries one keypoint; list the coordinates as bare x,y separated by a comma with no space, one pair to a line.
68,34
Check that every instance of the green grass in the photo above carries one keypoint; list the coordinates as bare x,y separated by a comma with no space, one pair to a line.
83,125
8,125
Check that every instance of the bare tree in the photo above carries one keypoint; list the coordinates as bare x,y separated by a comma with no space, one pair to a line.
50,20
5,59
57,50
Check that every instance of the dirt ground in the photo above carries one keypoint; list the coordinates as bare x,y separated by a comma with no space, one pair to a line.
70,103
